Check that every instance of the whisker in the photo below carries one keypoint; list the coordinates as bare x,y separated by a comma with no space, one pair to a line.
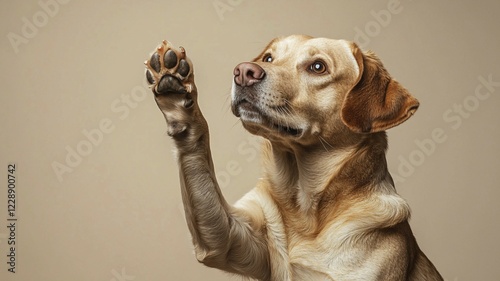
227,102
290,111
235,123
323,142
283,112
289,105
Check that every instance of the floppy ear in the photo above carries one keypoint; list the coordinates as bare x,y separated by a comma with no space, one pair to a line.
376,102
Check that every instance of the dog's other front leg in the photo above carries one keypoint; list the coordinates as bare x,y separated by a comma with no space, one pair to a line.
223,237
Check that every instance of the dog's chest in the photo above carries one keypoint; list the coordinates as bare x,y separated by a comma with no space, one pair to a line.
297,256
321,258
309,261
316,261
313,259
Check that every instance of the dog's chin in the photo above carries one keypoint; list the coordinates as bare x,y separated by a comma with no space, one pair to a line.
259,123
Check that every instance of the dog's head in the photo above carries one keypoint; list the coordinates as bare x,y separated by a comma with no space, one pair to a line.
301,89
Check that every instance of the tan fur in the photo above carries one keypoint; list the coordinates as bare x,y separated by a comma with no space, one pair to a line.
326,207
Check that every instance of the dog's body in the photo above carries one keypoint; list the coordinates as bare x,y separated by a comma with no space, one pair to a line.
326,207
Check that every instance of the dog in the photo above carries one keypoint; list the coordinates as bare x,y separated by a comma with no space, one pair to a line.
326,207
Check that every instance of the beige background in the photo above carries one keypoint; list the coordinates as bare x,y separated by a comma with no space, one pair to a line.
69,67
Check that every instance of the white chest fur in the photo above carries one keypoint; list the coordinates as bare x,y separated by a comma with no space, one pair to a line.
330,255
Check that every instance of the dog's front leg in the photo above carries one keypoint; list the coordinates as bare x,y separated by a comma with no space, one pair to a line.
223,237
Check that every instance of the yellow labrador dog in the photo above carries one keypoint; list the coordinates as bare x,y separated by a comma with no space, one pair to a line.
326,207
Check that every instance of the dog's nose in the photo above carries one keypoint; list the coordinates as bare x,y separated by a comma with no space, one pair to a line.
248,73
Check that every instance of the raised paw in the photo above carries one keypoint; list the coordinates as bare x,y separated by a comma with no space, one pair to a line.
169,70
170,75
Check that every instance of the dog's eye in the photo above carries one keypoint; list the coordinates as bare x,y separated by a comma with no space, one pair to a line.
267,58
318,67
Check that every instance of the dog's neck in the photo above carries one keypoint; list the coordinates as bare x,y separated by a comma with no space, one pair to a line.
313,178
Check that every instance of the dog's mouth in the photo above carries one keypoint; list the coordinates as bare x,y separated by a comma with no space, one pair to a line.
287,130
249,113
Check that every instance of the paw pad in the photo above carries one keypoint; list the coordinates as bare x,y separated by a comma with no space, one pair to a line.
168,70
